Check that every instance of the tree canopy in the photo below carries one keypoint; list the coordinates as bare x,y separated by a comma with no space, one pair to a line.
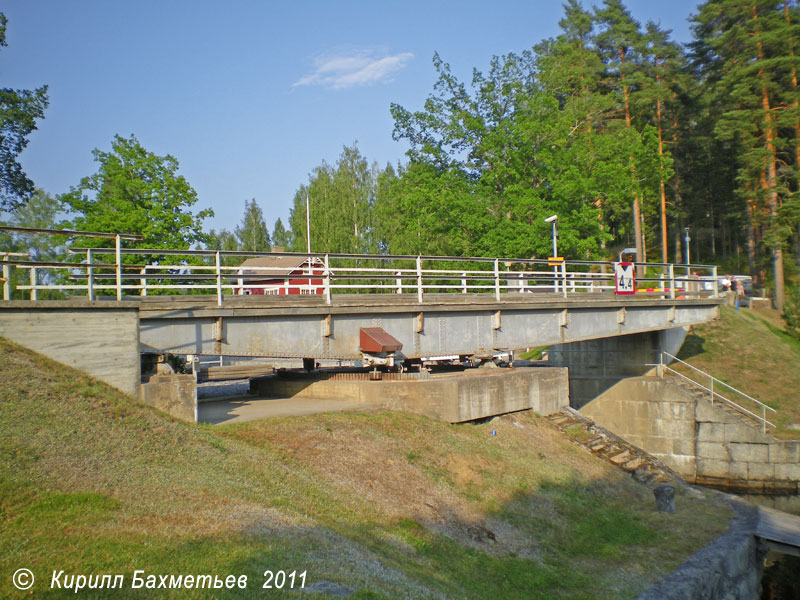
252,233
19,112
136,191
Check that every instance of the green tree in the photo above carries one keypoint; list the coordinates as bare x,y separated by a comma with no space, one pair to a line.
489,164
341,198
619,41
41,211
280,236
19,111
136,191
252,233
223,240
745,52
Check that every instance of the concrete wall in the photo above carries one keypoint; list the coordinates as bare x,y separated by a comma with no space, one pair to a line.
453,398
704,443
101,339
728,569
175,395
597,365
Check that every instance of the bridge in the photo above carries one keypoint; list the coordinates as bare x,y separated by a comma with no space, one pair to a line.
105,309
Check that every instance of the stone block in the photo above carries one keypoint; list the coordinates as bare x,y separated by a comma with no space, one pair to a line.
642,409
760,471
713,450
685,465
706,413
738,470
752,453
682,410
788,472
657,445
744,432
784,452
711,432
675,428
683,447
713,468
640,427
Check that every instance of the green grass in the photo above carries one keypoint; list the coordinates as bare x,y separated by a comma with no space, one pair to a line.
749,352
387,504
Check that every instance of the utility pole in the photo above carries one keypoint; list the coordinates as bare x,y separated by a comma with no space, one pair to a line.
308,227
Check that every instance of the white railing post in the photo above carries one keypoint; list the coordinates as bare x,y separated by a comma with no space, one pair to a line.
218,265
564,277
327,280
6,280
118,254
143,272
672,281
763,419
711,387
419,278
90,276
463,283
399,281
497,279
34,291
716,282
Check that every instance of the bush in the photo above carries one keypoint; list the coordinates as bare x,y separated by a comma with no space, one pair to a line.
791,312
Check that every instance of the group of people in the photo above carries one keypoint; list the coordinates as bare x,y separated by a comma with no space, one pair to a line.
730,283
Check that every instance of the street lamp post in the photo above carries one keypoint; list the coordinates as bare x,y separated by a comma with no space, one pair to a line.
687,239
553,220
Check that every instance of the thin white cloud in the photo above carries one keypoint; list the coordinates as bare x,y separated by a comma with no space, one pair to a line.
354,69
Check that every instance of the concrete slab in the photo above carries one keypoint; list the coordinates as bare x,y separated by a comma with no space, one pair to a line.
248,408
454,397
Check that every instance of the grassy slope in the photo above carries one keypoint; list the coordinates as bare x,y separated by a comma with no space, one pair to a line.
747,350
387,504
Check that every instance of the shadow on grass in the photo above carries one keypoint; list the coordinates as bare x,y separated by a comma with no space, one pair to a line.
692,346
582,542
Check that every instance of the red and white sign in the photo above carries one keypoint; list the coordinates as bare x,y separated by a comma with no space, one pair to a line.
624,279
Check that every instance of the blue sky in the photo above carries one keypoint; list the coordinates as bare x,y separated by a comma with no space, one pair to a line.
250,95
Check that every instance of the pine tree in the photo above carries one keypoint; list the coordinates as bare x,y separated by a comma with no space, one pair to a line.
748,50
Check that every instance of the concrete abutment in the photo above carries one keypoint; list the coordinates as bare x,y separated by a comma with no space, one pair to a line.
703,442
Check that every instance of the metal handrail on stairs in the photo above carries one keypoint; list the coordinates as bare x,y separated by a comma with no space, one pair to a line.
710,389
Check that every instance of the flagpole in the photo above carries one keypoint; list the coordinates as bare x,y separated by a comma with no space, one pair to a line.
308,227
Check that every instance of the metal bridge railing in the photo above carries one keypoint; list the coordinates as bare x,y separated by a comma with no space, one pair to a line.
712,385
120,271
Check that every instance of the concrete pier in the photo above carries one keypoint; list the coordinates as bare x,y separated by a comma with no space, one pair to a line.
703,442
454,397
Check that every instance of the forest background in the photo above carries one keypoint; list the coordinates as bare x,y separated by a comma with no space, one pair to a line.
629,137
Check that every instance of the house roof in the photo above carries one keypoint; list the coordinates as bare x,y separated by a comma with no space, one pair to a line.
273,266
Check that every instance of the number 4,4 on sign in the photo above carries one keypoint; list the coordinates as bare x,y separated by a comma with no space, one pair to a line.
624,279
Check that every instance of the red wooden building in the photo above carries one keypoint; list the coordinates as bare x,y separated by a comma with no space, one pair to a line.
279,276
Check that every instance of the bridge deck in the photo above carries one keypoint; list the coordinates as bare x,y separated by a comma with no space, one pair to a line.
441,325
164,306
780,530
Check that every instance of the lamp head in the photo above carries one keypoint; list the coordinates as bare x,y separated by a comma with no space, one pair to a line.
551,219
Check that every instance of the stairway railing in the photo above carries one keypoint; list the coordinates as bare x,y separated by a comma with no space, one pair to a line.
713,387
